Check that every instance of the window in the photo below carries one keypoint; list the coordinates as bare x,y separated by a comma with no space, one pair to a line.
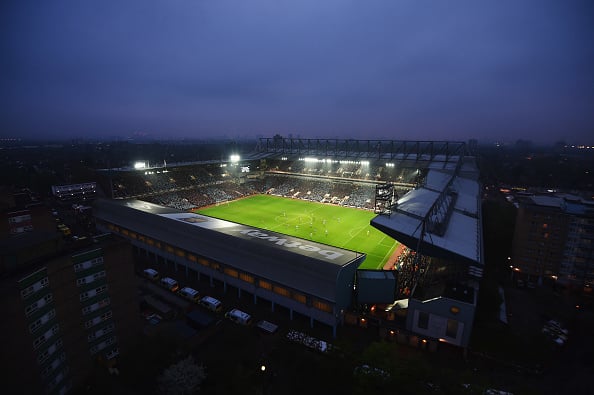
42,320
265,285
231,272
59,360
88,264
101,332
423,322
281,291
452,329
92,322
102,345
44,282
95,306
94,292
322,306
299,297
247,278
47,335
90,278
47,353
33,307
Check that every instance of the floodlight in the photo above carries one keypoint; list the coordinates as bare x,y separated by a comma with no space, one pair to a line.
235,158
139,165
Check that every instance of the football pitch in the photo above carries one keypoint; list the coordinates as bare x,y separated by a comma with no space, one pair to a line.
323,223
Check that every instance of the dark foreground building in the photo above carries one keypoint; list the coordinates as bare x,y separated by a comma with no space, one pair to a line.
554,241
65,312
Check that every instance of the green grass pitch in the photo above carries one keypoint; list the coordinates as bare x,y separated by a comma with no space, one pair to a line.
323,223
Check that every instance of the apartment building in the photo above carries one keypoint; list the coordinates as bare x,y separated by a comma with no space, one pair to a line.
553,240
64,314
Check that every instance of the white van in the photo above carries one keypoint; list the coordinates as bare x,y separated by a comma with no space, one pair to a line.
211,303
170,284
239,317
189,293
151,274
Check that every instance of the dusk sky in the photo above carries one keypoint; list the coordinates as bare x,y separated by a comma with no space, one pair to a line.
389,69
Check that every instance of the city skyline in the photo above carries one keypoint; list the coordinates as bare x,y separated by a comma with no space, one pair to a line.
339,69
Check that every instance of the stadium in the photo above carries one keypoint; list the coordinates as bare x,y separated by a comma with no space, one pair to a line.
387,233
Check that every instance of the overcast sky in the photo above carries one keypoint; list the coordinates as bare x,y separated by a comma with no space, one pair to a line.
394,69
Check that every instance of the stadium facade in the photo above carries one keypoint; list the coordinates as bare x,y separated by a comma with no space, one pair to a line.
442,219
309,278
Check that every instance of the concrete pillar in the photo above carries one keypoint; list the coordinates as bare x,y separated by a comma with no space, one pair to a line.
272,304
211,282
311,321
225,286
255,299
291,314
239,293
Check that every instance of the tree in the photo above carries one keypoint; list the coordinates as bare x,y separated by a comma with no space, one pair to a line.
183,377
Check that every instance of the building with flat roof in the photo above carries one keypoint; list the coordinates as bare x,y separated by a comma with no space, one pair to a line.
313,279
64,312
554,240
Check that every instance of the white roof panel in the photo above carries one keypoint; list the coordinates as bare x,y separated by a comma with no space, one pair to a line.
417,201
463,235
437,180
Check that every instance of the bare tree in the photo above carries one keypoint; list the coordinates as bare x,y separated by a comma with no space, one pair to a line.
183,377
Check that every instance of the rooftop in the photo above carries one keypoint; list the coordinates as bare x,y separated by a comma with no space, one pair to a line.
297,263
462,231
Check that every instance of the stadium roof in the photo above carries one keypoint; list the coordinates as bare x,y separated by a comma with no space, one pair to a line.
297,263
462,235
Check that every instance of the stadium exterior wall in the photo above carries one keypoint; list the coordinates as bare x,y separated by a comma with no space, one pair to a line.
287,279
